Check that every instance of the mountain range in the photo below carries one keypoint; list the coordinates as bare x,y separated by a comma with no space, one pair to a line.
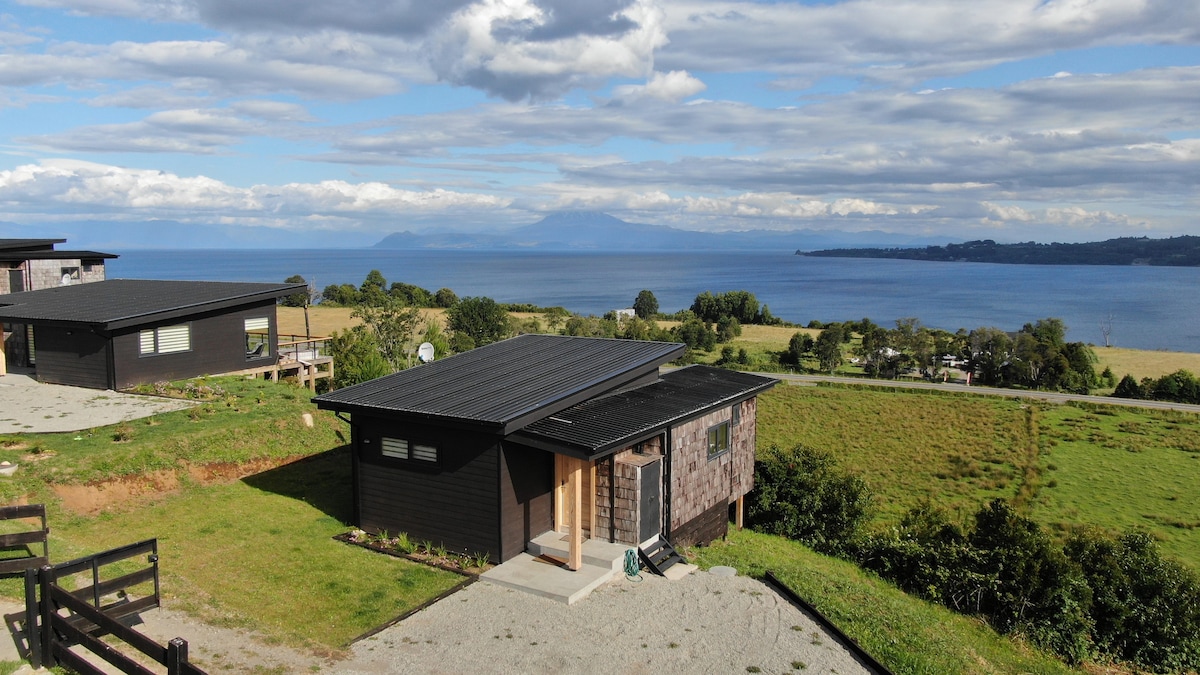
593,231
561,231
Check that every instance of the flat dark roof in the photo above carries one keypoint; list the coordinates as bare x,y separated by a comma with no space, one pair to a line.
603,425
29,244
14,256
121,303
506,385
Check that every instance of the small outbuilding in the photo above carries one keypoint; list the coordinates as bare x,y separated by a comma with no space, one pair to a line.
484,451
118,333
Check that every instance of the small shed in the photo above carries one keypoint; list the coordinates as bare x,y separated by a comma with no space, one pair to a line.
488,449
118,333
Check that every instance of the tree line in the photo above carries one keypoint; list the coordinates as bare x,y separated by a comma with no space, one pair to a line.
1092,596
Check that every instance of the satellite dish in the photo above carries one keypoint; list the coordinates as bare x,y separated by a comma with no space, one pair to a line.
425,352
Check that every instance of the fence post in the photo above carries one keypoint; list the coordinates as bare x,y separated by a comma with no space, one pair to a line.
177,656
33,638
46,580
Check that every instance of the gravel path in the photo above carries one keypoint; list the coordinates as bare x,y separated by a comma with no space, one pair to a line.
699,624
29,406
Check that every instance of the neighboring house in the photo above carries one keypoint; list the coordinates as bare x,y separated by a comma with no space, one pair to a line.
33,264
122,332
483,451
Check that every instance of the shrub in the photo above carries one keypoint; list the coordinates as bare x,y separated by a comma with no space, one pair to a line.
801,494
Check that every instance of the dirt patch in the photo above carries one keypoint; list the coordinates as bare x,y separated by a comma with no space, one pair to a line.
93,498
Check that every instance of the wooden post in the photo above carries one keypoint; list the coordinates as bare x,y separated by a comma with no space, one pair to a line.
45,579
575,495
592,500
33,638
3,366
177,656
739,512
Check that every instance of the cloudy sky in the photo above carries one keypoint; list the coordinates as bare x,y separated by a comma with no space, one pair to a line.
1053,120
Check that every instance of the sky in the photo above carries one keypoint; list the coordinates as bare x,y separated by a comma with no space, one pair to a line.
1013,120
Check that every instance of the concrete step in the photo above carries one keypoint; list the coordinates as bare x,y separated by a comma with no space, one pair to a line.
595,552
545,577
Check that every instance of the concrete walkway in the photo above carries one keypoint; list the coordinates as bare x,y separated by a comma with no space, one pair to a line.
28,406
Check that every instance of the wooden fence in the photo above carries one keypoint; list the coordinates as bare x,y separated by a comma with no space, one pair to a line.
22,540
51,633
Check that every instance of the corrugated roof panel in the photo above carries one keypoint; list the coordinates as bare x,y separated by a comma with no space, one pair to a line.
125,301
505,381
609,422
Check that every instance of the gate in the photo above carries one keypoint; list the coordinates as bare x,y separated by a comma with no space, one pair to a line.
90,614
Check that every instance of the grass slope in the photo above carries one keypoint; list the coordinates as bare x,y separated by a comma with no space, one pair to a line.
908,635
255,552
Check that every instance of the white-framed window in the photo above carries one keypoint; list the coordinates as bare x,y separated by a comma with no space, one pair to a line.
400,448
258,337
718,439
165,340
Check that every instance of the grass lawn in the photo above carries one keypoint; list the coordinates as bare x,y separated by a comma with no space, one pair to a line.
255,552
904,633
956,451
1122,469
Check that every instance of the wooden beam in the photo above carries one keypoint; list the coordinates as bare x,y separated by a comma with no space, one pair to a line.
739,511
575,496
591,496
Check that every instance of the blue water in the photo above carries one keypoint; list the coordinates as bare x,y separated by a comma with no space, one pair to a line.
1151,307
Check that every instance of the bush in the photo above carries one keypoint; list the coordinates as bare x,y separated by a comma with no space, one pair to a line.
801,494
1146,609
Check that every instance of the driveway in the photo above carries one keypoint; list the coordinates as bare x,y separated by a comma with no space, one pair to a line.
28,406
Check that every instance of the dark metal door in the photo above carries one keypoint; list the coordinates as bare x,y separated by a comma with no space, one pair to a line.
16,281
650,504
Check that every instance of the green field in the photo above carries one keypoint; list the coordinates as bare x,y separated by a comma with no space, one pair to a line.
1065,465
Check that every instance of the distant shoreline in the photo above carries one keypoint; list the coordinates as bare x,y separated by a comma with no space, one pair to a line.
1181,251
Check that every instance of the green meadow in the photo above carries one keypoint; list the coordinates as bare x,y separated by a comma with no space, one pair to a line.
1064,465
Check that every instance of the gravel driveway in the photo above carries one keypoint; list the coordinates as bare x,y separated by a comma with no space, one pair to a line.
28,406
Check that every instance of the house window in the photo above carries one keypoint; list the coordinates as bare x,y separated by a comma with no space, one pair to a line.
165,340
736,418
718,439
70,275
399,448
395,447
258,336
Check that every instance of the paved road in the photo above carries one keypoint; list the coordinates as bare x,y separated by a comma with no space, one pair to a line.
1052,396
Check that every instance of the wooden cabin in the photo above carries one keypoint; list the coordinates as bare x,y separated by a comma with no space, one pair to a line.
118,333
485,450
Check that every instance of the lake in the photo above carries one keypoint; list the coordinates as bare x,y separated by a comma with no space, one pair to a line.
1150,307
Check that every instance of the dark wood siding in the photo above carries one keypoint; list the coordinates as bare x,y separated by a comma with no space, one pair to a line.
712,524
526,496
74,356
218,346
454,503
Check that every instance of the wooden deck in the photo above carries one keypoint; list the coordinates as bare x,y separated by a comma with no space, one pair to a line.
301,359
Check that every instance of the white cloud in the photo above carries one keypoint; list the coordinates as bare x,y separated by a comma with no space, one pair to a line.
672,87
89,188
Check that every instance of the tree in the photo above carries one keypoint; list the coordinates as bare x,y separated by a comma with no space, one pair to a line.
798,346
445,298
555,317
393,325
373,290
410,294
646,305
696,334
829,347
342,295
357,356
299,299
479,318
801,494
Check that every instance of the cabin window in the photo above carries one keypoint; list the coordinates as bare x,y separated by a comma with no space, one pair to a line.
258,336
736,417
400,448
395,447
165,340
70,275
718,439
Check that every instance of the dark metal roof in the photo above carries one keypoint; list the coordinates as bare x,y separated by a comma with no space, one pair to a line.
120,303
506,385
29,244
12,256
602,425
